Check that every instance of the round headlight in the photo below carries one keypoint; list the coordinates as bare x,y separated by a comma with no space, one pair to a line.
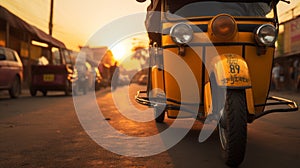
266,35
223,26
181,33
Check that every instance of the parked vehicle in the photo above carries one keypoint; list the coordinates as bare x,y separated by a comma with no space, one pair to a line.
58,75
124,80
98,78
11,72
227,48
83,75
89,77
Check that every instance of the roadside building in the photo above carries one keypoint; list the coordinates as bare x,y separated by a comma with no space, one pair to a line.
30,42
288,53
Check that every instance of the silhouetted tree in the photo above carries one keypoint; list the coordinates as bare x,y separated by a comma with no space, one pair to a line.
140,53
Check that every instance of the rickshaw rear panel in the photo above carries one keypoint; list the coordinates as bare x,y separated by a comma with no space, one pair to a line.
51,78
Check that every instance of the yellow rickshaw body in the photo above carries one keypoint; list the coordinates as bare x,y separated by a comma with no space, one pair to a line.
218,60
214,67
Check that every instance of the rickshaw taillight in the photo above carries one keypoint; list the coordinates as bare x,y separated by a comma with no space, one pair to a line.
224,27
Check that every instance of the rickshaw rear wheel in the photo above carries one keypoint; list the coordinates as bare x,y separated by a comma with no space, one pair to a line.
233,127
32,91
68,88
44,92
159,112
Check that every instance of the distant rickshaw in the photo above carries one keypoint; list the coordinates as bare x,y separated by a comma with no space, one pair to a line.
58,75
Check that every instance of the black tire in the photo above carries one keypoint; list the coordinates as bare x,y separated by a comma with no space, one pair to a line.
233,127
15,90
68,89
33,91
75,89
44,92
159,113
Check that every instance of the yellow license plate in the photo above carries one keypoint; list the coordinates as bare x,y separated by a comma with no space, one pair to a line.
48,77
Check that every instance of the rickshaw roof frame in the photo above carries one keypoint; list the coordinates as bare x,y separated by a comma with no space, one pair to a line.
272,3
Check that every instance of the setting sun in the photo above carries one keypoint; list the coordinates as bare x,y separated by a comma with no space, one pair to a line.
119,51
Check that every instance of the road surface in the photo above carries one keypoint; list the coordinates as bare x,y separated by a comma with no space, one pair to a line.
45,132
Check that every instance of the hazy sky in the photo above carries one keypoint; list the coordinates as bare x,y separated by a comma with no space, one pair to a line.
75,21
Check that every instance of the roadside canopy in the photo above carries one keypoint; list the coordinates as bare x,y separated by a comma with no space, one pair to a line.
35,33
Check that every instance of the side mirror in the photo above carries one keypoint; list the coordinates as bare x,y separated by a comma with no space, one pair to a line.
140,0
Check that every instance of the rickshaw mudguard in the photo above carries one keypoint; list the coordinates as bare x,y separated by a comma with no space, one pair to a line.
231,71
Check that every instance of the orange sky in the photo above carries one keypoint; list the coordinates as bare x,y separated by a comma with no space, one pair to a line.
75,21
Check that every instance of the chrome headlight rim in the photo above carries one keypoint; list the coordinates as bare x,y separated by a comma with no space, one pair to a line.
262,40
182,40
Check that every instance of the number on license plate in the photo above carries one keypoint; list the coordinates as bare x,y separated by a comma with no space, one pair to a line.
48,77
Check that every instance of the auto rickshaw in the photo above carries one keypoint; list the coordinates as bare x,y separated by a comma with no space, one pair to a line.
56,75
227,47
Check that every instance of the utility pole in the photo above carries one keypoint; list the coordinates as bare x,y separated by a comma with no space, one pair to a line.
51,19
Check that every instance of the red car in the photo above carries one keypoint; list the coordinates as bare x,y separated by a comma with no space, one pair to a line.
11,72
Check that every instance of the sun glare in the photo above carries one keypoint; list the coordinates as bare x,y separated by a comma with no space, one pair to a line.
119,51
